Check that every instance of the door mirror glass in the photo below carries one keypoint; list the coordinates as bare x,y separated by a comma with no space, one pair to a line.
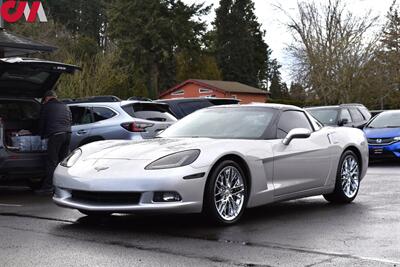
296,133
343,121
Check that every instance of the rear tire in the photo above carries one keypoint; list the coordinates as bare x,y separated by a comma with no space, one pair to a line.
226,194
347,179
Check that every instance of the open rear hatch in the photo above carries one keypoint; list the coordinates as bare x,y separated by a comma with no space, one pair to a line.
30,78
22,80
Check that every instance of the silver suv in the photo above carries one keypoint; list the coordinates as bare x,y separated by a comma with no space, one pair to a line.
129,120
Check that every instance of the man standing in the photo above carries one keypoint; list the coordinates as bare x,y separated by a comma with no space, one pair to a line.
55,125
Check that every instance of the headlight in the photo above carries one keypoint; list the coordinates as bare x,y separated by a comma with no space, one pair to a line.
175,160
396,138
72,158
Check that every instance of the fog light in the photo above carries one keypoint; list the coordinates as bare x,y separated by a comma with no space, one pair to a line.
166,197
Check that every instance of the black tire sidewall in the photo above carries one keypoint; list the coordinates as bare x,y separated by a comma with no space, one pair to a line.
209,207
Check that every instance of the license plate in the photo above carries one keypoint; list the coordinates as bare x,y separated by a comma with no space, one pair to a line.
378,150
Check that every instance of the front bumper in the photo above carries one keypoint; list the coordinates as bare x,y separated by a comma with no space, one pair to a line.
384,151
143,183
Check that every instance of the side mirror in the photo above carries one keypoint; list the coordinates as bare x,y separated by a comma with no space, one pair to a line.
296,134
343,121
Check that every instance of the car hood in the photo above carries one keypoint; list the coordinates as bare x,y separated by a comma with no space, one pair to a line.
382,132
30,78
142,150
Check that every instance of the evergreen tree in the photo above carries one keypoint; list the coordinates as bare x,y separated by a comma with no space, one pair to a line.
275,88
80,17
241,51
150,33
390,52
297,92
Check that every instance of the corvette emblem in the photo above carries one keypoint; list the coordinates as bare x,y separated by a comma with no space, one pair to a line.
99,169
379,141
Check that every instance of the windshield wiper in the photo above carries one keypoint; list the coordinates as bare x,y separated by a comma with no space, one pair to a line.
392,126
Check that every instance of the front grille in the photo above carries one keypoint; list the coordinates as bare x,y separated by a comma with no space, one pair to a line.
380,141
129,198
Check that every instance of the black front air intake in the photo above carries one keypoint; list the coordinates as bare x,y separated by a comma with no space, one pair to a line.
127,198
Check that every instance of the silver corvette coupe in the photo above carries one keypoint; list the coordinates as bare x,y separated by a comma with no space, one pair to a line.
218,161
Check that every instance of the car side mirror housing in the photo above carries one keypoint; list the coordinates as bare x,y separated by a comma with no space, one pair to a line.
297,133
343,121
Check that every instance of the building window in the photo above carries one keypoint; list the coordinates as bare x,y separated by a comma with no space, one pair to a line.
178,92
205,91
234,96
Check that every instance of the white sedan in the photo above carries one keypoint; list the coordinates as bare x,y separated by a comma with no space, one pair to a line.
218,161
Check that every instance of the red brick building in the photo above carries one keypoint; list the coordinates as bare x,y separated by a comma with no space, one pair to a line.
221,89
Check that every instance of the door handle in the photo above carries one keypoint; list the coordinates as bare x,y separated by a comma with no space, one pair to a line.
82,132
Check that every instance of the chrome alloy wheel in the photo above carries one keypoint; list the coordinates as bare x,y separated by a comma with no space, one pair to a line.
229,194
350,174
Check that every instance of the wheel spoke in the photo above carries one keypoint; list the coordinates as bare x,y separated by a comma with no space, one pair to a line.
349,176
229,193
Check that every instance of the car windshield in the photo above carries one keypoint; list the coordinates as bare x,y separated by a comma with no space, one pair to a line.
386,120
227,122
326,116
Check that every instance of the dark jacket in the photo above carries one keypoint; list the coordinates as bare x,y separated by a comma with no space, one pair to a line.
55,117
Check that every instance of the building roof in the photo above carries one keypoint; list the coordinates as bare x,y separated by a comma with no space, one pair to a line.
225,86
15,45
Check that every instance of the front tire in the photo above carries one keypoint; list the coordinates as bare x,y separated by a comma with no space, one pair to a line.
347,179
35,184
226,193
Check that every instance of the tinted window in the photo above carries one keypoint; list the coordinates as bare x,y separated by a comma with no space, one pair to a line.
345,114
326,116
190,107
386,120
290,120
24,74
356,115
19,110
101,113
149,111
80,115
229,123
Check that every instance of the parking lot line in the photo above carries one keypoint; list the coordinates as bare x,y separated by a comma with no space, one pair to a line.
10,205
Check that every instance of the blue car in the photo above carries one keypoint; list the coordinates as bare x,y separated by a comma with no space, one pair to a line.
383,134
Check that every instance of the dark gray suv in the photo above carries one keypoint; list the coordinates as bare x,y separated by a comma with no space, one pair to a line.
348,115
22,82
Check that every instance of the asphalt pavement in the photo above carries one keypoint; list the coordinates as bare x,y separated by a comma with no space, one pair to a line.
306,232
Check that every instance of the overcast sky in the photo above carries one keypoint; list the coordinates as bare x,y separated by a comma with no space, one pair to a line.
273,21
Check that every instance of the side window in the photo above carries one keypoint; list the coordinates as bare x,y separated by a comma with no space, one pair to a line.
346,115
364,111
356,115
80,115
101,113
290,120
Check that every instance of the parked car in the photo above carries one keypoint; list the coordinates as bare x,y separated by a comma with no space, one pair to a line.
139,98
100,98
182,107
218,160
383,133
129,120
375,112
349,115
22,81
